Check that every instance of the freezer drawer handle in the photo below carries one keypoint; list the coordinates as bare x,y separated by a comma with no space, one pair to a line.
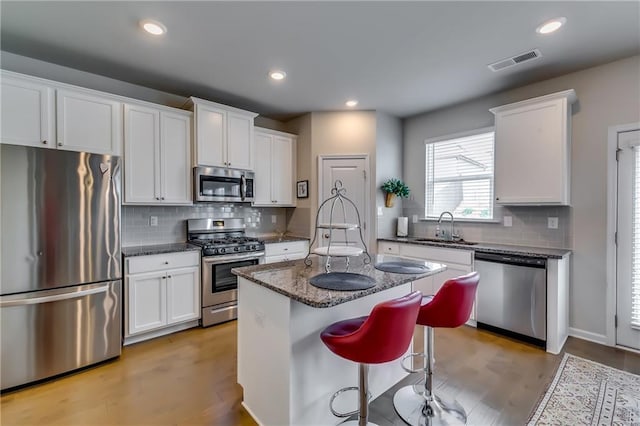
54,298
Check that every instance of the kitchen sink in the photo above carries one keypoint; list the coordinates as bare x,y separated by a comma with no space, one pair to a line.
440,240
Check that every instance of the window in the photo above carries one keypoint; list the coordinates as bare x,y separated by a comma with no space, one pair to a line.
459,177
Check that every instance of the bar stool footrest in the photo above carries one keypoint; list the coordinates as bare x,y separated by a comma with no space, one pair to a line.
414,355
340,391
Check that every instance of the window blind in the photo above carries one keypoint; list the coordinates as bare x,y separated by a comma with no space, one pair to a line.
635,242
459,177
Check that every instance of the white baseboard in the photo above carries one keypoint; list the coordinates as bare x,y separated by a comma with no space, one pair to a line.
587,335
161,332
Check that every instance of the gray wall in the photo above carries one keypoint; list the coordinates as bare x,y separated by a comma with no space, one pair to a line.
388,165
608,95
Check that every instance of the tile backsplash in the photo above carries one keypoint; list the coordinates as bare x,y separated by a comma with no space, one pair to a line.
529,227
172,228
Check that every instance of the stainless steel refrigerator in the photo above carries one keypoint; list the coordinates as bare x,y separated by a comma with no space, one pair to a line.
61,275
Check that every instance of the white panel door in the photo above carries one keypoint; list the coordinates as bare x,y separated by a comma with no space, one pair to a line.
628,247
183,294
147,302
26,113
211,136
175,157
88,123
282,171
142,154
262,170
352,173
239,141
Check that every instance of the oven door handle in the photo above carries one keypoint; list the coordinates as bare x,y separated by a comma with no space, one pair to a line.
243,187
234,258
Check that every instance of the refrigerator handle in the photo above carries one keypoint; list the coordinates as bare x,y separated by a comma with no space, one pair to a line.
54,297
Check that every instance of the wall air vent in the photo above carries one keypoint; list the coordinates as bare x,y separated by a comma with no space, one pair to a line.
515,60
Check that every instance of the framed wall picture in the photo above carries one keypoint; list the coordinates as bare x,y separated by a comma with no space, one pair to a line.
303,188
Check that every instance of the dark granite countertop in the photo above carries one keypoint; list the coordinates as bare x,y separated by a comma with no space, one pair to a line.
291,278
157,249
274,239
541,252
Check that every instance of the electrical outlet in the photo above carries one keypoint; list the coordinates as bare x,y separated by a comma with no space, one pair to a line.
380,211
274,218
552,222
414,218
153,220
508,221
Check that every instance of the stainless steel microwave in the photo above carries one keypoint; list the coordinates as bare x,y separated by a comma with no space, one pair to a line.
221,184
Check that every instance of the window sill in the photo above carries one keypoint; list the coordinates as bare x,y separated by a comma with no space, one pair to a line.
447,220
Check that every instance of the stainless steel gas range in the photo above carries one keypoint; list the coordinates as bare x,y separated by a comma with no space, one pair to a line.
224,247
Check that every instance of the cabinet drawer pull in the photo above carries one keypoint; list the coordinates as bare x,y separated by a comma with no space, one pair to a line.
169,276
162,198
44,142
166,263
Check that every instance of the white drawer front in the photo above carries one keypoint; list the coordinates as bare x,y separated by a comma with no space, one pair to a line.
158,262
444,255
286,248
385,247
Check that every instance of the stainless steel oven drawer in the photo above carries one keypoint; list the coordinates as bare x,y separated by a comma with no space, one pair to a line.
216,314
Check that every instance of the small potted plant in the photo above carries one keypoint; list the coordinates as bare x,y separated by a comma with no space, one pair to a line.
393,188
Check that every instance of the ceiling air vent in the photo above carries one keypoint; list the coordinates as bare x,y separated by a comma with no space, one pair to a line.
515,60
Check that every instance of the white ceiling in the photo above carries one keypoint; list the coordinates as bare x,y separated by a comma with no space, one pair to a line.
402,58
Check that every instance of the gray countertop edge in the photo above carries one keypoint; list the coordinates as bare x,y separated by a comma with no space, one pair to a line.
150,250
540,252
284,239
344,296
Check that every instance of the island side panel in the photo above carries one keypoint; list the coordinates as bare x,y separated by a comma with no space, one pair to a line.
264,352
316,372
557,303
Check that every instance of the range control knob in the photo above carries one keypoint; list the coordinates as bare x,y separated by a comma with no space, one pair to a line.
236,249
222,250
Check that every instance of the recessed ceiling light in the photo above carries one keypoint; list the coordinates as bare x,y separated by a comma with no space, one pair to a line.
153,27
351,103
551,25
277,75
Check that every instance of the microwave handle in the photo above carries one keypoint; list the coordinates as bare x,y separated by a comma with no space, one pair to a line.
243,187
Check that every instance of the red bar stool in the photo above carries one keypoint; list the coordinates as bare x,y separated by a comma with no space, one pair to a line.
450,307
381,337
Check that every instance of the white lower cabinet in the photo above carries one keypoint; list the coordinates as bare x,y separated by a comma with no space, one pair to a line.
162,294
458,261
285,251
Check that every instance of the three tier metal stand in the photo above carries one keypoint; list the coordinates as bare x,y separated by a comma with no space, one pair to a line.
338,204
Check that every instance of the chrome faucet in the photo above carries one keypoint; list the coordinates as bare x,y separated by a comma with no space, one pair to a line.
442,233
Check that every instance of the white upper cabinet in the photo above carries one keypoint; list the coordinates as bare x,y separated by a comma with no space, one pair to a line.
274,168
157,156
88,122
27,116
533,150
223,135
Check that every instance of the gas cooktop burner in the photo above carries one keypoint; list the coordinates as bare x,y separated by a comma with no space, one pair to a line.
228,245
221,237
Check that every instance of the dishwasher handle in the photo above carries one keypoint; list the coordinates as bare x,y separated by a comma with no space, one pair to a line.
532,262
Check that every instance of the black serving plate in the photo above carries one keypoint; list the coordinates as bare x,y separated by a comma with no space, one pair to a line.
342,281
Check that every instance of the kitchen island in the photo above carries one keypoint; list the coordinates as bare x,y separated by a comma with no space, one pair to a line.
286,372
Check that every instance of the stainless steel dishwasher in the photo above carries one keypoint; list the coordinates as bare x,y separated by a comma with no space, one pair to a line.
512,296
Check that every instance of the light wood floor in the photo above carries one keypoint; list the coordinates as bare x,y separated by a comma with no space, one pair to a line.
190,378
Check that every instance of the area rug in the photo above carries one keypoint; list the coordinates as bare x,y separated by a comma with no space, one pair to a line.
584,392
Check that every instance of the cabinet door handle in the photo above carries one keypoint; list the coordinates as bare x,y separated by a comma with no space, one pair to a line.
166,263
157,198
164,278
169,276
44,142
59,143
162,198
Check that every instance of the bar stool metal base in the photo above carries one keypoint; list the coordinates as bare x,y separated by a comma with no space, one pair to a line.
412,408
